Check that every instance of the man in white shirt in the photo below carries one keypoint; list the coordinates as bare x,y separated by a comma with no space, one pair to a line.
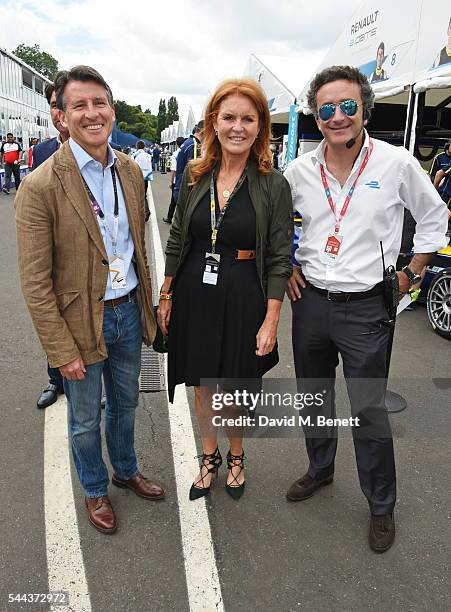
351,193
144,161
11,156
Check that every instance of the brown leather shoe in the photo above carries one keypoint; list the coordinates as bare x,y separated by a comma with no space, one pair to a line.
382,532
142,486
101,514
304,487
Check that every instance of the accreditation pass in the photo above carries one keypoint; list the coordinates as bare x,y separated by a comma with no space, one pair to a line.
212,261
117,272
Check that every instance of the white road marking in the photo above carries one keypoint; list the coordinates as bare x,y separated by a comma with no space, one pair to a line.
204,589
66,570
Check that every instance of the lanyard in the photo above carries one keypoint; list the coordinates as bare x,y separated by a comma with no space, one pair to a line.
99,212
215,223
350,192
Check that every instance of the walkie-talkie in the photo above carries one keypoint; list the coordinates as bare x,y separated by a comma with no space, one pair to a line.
391,289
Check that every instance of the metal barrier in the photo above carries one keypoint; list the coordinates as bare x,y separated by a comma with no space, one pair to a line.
152,378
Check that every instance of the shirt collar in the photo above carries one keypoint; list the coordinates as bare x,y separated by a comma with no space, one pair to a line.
318,155
83,158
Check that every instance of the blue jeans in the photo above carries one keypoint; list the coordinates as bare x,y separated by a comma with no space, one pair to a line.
123,338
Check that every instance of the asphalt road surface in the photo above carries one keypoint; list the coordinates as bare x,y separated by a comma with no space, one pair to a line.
266,554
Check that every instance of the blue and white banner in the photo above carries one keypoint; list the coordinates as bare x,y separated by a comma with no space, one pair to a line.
292,134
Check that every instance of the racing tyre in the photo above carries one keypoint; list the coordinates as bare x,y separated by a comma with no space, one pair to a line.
439,303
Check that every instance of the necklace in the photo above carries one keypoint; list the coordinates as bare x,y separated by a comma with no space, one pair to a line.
226,192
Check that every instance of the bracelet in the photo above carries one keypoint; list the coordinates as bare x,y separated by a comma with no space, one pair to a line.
165,296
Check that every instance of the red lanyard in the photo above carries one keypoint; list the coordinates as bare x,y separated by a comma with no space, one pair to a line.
350,192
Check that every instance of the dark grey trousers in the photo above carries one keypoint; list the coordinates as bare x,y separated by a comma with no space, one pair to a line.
14,170
322,330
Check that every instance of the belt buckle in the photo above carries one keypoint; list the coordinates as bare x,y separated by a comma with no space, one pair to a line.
331,293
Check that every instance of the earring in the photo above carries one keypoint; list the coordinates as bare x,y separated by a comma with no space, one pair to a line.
216,132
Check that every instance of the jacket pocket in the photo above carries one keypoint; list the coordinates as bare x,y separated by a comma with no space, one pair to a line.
66,298
78,318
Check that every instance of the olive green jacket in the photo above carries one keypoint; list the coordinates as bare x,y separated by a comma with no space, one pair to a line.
271,198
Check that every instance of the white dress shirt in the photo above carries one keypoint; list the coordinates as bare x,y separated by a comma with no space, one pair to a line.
393,179
174,160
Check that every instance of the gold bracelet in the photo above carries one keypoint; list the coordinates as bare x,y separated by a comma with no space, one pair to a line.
165,296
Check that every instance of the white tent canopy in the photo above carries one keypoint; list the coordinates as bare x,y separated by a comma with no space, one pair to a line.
280,78
414,36
190,123
174,130
180,129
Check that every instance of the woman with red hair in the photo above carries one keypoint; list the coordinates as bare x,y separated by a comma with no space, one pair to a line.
227,263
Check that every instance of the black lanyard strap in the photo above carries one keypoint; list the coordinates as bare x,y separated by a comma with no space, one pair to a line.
215,223
99,212
95,205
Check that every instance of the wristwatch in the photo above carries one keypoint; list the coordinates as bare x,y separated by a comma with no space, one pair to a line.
413,278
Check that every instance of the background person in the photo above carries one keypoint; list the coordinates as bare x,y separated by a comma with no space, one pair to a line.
188,151
223,318
144,161
33,143
168,219
41,153
155,157
442,183
46,149
11,157
442,161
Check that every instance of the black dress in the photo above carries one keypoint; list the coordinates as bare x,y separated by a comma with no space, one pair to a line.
213,328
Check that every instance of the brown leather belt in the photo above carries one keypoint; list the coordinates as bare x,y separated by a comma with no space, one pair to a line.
120,300
245,254
338,296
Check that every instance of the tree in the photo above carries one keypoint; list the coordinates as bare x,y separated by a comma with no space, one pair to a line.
133,120
173,110
161,118
41,61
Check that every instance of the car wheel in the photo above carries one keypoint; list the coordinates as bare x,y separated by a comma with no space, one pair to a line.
439,303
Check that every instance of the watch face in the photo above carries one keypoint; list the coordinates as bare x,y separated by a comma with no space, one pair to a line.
410,275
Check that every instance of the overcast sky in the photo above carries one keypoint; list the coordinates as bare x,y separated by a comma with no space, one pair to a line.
149,49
